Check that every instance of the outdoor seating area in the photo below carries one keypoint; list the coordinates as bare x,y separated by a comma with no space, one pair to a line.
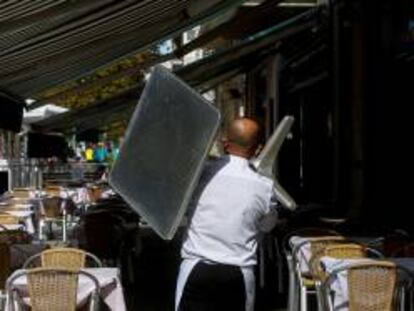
44,265
330,271
206,155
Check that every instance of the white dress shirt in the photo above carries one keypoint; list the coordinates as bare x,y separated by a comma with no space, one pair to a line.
233,204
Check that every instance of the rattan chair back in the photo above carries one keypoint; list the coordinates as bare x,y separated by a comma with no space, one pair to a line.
64,257
70,258
51,289
52,207
336,250
318,244
345,250
371,286
53,191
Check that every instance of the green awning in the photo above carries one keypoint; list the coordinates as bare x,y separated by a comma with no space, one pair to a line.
45,43
202,74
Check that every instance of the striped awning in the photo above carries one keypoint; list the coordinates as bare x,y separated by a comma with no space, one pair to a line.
44,43
245,21
202,74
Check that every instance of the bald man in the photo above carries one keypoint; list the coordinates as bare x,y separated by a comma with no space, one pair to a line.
231,206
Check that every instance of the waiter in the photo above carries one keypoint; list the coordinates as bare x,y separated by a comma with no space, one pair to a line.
232,205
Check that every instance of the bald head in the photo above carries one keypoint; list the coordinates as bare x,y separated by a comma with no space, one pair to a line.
242,137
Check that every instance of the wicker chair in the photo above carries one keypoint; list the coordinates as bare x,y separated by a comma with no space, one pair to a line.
52,207
372,286
6,219
70,258
339,251
51,289
53,191
53,212
293,282
306,282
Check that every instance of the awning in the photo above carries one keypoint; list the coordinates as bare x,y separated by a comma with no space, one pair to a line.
245,22
250,50
202,75
44,43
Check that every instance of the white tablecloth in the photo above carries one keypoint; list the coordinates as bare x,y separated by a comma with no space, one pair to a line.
11,227
109,282
27,217
24,206
303,253
78,195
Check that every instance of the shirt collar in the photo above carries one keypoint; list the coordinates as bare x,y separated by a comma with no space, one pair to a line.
238,160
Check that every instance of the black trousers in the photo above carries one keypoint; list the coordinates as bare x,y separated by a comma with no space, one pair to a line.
214,288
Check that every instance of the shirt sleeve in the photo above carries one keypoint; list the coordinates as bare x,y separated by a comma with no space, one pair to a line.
269,220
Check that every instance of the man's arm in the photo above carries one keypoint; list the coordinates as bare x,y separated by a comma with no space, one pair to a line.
269,220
